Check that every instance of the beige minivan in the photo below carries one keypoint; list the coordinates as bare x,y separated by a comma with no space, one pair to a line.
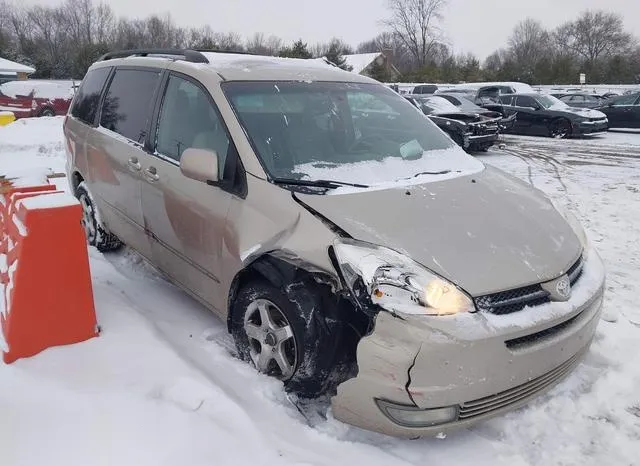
352,247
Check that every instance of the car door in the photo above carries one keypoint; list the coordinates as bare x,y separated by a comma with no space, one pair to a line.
187,218
635,114
115,150
526,119
620,111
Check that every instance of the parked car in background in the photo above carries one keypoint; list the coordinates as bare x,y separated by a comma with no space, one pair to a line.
466,105
544,115
623,111
492,92
425,89
583,100
470,130
36,98
608,95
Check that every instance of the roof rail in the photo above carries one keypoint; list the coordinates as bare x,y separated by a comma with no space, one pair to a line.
189,55
241,52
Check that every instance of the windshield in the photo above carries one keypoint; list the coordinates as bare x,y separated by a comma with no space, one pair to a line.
548,101
349,132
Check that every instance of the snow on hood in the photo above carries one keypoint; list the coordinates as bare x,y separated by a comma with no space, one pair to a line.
583,112
434,165
588,113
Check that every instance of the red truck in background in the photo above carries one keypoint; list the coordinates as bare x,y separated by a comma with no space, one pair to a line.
36,98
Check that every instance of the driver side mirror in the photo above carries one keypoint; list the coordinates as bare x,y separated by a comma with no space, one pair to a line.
200,165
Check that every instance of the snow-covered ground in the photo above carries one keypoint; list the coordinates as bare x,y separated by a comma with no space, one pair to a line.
160,387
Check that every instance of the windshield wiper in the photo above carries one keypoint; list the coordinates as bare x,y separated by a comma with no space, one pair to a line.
330,184
441,172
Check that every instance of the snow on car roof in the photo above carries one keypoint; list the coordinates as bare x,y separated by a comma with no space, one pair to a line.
42,89
245,67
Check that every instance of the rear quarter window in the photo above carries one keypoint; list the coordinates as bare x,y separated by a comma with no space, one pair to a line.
129,101
85,104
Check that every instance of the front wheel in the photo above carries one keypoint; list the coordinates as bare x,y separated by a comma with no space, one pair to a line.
284,336
95,231
560,128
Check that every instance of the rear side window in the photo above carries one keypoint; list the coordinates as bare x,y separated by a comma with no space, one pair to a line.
128,104
505,99
85,105
526,101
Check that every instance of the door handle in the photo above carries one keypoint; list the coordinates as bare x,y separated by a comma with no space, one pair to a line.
134,165
151,174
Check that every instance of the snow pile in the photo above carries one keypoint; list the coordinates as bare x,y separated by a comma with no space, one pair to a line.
29,144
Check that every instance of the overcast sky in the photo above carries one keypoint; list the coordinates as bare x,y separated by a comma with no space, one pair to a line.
477,26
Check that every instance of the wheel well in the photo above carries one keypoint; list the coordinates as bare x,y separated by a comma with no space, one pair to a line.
278,272
45,108
76,179
336,308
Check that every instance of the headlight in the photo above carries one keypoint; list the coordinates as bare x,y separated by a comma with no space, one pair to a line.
397,283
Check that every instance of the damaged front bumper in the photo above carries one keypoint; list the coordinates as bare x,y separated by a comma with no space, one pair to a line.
421,376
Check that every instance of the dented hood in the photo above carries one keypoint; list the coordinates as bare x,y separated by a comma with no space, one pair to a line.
486,232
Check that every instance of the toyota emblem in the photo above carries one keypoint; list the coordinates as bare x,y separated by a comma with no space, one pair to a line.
563,288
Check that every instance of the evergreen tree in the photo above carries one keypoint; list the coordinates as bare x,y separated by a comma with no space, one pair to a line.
298,50
335,55
379,72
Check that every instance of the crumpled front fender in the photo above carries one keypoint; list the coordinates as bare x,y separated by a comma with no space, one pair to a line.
384,358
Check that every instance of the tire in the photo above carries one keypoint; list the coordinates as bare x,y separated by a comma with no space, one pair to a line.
97,234
560,128
47,112
296,334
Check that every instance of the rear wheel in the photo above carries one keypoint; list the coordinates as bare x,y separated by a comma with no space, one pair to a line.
560,128
47,112
97,234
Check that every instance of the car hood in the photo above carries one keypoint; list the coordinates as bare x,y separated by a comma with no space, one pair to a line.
583,112
487,232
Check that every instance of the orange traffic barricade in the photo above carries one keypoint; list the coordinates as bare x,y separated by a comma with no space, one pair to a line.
47,297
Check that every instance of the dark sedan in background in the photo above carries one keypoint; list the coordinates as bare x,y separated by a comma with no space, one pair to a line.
545,115
583,100
623,111
473,131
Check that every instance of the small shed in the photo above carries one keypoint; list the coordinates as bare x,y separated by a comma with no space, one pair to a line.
12,70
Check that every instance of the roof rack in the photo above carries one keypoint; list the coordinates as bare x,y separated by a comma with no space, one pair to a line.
193,56
189,55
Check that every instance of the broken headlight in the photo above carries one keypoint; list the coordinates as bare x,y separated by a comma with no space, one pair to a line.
396,282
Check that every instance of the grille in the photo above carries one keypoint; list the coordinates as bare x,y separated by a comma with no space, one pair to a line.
506,302
484,129
517,394
533,338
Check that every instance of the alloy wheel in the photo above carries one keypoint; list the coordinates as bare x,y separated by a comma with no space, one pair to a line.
272,343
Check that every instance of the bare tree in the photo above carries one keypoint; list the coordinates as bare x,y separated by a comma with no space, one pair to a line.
595,35
230,41
529,42
416,23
